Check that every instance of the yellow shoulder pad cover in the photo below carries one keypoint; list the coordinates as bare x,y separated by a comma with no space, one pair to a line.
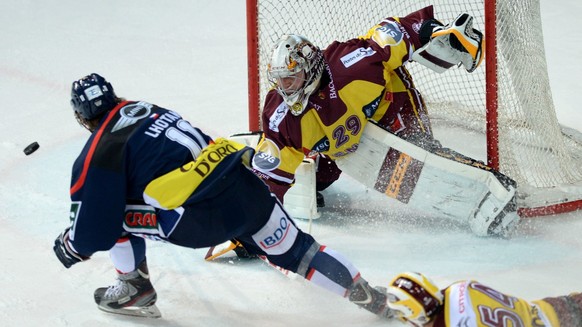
172,189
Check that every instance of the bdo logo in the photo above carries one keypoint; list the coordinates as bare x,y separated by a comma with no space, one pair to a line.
278,235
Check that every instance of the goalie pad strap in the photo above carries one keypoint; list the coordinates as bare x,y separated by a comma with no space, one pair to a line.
306,260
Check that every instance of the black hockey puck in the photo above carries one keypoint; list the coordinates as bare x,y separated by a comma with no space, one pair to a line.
31,148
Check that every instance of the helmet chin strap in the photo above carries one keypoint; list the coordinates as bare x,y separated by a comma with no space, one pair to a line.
297,108
300,105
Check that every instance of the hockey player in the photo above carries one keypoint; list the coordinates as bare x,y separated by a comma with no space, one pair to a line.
145,172
321,103
417,301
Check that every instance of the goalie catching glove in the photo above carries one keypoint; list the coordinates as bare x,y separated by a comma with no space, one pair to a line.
450,45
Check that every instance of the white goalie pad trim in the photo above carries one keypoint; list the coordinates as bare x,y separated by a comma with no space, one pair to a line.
301,201
436,56
427,181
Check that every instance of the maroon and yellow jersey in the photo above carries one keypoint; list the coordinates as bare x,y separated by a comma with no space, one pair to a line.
470,303
364,78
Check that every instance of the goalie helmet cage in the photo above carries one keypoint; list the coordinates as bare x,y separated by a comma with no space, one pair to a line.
508,98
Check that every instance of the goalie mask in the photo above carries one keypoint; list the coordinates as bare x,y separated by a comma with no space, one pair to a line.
295,70
415,297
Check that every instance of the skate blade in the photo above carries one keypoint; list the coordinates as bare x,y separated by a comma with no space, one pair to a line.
151,311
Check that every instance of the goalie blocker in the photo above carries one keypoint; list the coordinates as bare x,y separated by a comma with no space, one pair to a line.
444,182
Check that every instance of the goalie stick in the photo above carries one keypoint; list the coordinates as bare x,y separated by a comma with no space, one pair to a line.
234,247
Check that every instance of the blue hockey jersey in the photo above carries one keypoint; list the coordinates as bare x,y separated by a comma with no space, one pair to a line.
135,144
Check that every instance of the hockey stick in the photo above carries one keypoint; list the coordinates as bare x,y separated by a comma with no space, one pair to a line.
234,245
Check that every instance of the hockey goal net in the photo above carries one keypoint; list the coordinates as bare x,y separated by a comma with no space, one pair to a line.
508,98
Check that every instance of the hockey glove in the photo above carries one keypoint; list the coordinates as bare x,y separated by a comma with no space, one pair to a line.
450,45
66,255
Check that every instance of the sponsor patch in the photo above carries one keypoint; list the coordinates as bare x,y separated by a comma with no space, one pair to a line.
331,85
387,35
140,219
278,234
131,114
267,157
321,146
277,117
74,211
398,175
353,57
416,26
370,108
73,214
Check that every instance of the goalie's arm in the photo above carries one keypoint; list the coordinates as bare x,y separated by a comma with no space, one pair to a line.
396,38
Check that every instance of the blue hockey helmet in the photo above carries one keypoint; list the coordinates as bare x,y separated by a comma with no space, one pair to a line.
92,96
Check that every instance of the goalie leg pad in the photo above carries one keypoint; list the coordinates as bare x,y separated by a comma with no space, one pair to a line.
456,43
301,201
455,187
490,220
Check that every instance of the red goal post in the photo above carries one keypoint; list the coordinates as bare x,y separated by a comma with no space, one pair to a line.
508,98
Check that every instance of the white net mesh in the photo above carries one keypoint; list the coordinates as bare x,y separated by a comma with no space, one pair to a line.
532,147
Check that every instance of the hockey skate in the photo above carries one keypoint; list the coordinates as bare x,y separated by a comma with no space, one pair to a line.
132,294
